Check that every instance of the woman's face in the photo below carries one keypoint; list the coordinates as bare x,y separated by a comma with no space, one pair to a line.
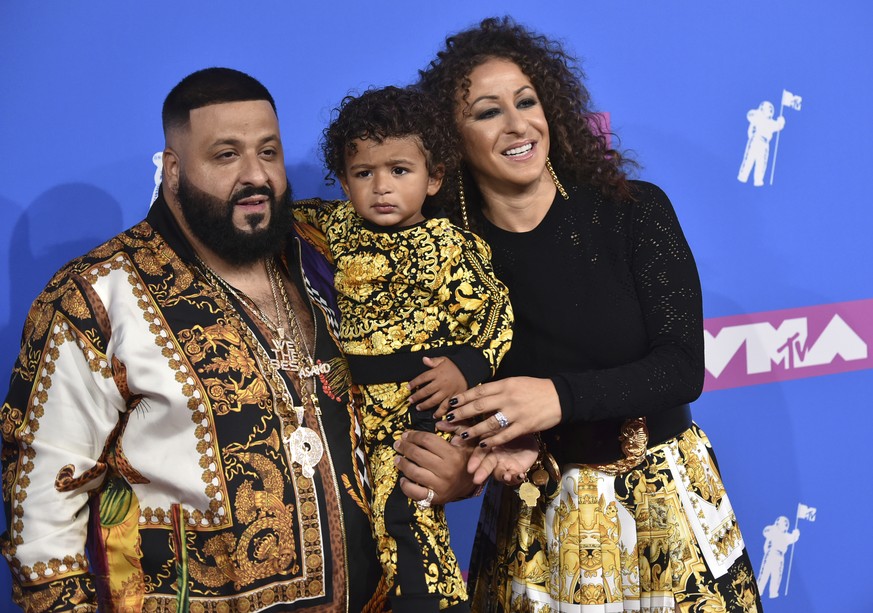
504,132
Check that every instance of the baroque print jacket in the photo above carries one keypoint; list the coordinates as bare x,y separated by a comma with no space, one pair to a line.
145,456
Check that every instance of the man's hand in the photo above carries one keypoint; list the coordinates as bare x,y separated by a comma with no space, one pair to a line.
429,461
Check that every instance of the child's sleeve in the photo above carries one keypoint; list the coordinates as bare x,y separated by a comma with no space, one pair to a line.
480,303
314,211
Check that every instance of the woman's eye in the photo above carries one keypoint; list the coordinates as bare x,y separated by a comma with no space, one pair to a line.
487,114
527,103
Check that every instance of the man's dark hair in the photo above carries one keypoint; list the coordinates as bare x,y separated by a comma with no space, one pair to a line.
210,86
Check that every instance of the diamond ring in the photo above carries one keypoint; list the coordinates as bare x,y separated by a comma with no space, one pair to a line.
425,504
501,419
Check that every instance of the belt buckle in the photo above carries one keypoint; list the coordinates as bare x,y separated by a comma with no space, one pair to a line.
634,439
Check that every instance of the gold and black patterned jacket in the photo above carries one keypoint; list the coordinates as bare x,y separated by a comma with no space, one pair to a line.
143,455
428,288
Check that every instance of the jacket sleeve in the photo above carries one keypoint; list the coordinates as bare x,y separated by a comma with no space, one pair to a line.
480,304
667,286
61,407
314,212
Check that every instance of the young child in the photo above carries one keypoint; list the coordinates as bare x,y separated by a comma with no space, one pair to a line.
416,295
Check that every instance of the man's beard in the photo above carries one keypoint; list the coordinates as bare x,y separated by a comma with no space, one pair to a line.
211,221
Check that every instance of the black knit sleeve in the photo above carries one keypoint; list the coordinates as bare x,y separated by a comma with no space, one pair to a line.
667,287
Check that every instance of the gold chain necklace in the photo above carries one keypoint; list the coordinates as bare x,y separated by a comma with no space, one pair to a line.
297,341
304,444
286,351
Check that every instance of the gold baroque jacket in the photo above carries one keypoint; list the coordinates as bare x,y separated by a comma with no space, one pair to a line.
429,287
145,425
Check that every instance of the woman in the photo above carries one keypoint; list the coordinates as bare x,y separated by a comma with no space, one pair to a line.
607,352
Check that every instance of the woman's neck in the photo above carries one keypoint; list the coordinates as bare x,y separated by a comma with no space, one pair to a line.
518,209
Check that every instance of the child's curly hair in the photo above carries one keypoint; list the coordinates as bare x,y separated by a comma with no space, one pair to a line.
391,112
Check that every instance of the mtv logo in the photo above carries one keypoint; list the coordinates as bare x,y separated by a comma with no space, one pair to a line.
783,345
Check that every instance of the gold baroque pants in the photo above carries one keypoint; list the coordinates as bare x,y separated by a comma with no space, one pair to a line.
413,543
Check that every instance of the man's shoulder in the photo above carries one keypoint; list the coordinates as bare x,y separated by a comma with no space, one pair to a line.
129,245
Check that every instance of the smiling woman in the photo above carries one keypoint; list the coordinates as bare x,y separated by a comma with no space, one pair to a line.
505,136
607,353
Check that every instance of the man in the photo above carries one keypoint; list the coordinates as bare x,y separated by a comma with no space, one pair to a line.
180,409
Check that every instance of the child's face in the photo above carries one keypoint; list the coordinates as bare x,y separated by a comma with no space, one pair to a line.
387,182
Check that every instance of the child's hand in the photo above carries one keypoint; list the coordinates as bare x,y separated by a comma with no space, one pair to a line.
434,387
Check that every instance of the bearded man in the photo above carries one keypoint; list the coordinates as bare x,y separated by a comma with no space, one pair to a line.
180,432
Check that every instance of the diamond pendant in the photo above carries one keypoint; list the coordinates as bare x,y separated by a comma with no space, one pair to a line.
306,446
284,356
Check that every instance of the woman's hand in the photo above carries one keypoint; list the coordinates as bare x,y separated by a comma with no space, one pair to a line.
528,405
429,461
507,463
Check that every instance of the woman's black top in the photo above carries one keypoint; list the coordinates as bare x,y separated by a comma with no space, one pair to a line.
608,306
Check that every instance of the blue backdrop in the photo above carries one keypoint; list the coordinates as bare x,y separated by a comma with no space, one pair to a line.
785,265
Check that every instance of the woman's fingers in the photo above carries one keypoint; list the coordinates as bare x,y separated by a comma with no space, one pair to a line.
509,408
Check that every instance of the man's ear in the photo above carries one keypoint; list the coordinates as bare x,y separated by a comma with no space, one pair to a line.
171,170
435,180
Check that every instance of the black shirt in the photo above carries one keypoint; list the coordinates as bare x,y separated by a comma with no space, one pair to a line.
607,305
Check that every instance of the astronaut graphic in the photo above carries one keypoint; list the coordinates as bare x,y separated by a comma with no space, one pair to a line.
762,127
776,543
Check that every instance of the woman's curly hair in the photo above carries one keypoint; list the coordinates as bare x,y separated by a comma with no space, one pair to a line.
580,154
392,112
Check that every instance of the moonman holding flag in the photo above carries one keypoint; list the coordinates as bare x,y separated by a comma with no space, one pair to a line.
762,126
777,541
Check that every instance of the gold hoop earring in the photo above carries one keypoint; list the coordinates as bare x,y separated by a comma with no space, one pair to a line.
463,200
560,187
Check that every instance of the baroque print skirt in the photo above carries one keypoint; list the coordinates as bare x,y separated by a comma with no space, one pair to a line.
659,538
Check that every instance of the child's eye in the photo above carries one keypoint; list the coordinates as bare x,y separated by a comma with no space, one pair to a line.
363,174
399,170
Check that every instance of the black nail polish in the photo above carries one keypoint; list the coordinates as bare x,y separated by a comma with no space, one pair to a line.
465,434
450,417
453,402
483,444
